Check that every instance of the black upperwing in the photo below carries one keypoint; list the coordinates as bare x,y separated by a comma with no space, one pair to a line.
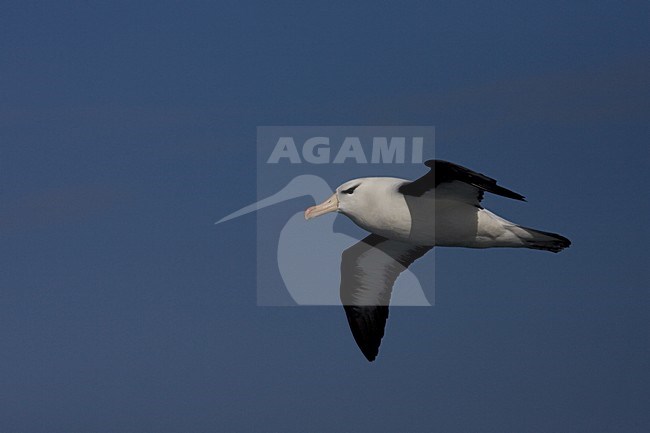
442,172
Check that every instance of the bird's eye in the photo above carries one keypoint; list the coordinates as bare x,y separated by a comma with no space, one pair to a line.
350,190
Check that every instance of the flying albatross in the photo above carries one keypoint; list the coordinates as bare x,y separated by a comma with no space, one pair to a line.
408,218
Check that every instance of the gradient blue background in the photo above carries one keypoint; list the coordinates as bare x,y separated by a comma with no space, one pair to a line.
128,128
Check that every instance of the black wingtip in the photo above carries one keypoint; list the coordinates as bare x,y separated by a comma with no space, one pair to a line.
370,350
367,328
370,355
499,190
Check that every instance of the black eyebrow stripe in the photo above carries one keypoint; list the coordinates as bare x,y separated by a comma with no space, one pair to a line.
351,189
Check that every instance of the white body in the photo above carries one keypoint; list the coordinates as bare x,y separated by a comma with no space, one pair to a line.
441,217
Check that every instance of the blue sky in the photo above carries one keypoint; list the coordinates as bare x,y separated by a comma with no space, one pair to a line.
128,128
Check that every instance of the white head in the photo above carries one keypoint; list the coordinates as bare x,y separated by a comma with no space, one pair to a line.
356,197
372,203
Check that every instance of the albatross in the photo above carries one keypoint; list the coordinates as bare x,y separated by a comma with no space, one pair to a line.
405,220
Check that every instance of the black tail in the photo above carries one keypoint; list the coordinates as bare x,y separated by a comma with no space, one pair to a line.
546,241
